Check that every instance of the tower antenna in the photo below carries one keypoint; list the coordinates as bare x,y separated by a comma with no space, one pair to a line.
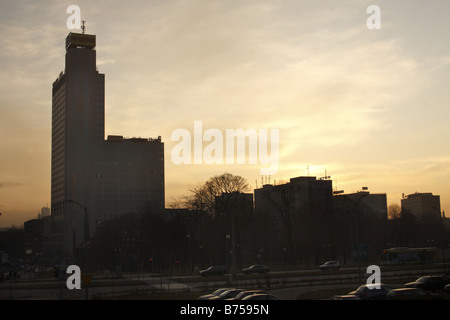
83,27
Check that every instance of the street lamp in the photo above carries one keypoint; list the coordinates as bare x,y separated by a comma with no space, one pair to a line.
86,228
442,216
86,237
86,221
355,210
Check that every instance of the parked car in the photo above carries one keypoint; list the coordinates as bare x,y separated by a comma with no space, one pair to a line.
228,294
246,293
411,294
261,296
376,291
432,283
447,288
213,294
330,265
256,268
214,270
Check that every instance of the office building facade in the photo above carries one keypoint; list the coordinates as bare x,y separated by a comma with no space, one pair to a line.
92,178
424,206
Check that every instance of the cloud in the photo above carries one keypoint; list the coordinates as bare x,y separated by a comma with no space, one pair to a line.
8,184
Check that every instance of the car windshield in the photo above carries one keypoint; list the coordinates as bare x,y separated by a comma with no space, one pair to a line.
218,291
247,293
225,293
422,279
360,289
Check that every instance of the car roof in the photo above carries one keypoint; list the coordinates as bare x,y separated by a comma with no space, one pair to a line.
369,285
258,295
406,289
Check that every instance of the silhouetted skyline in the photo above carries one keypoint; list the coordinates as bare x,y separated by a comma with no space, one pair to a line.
369,107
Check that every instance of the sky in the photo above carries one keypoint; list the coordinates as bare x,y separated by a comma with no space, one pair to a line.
367,107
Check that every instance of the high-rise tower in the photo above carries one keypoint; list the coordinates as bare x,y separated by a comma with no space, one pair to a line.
92,178
78,113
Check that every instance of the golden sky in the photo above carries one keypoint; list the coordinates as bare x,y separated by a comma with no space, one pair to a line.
371,107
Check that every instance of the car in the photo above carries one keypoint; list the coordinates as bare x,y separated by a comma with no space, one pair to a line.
213,294
228,294
330,265
261,296
246,293
375,291
411,294
256,268
432,283
213,270
447,288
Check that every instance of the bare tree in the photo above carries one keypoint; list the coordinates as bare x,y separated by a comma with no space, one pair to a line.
394,211
216,199
204,196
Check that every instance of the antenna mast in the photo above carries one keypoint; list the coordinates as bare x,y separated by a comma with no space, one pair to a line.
83,27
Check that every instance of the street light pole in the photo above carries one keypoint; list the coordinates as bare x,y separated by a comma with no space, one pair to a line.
355,210
443,240
86,220
86,237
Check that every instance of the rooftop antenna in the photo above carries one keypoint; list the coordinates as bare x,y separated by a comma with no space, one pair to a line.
307,167
83,27
325,177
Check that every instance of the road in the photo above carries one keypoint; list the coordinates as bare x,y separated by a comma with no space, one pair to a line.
287,284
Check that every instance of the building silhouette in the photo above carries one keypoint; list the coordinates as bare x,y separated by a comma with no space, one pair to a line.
94,179
422,205
372,204
362,220
299,196
299,214
423,210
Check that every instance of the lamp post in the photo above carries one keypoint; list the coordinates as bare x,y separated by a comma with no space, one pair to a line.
86,237
86,221
86,228
442,216
356,214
